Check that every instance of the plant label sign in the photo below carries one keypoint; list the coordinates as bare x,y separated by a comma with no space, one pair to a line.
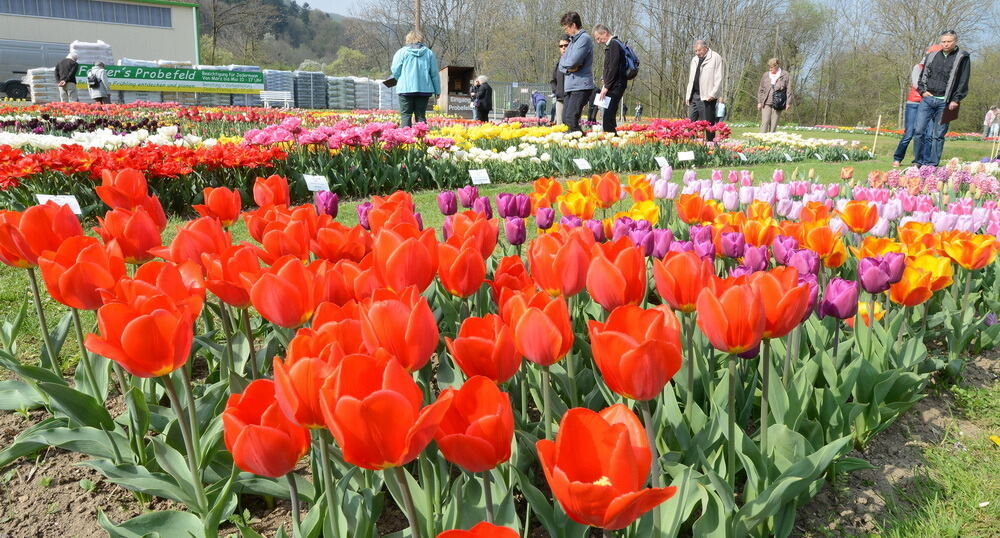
818,156
479,177
871,154
788,157
582,164
662,161
846,158
743,156
61,199
316,183
685,155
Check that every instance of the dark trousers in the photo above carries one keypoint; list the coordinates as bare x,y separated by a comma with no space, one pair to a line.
573,107
482,114
930,131
699,110
609,118
413,106
909,126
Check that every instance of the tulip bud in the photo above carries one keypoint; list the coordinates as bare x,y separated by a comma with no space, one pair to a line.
755,258
662,239
363,210
597,228
504,202
681,246
701,234
327,203
467,195
571,221
483,205
447,202
782,247
840,300
805,260
733,244
778,176
514,230
704,249
544,217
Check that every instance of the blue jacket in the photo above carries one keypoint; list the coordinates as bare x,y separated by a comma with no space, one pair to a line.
416,69
580,53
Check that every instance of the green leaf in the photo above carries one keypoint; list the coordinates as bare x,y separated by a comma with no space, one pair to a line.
25,443
158,524
137,478
79,407
28,372
17,395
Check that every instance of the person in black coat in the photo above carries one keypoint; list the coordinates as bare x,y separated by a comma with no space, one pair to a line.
482,101
66,78
558,83
613,79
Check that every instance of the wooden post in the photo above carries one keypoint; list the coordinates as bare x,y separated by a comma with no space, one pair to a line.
878,127
416,15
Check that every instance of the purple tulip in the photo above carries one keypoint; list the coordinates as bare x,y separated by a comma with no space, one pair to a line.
544,217
805,260
731,199
756,258
681,246
571,221
505,201
447,203
740,270
522,206
661,242
782,247
840,300
813,293
704,249
597,228
483,205
733,244
446,228
877,273
990,320
701,234
514,230
621,228
467,195
363,210
643,239
420,220
327,203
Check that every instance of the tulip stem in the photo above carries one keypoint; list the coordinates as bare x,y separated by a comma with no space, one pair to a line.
488,495
88,369
731,445
293,491
689,347
647,417
871,325
792,344
134,435
765,380
192,412
182,419
228,364
411,512
571,374
249,333
53,363
332,503
836,343
546,402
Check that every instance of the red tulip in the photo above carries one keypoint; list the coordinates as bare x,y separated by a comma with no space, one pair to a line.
559,262
637,351
617,274
734,321
481,530
125,189
335,242
286,293
785,300
680,277
598,465
374,410
401,323
477,430
510,274
25,235
81,267
225,273
405,256
271,191
261,439
222,204
144,338
134,232
195,238
542,329
474,229
485,347
461,268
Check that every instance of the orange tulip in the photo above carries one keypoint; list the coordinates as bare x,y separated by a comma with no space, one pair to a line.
760,232
75,274
390,211
785,300
510,274
972,252
607,189
859,216
617,274
598,465
144,338
639,188
734,322
680,277
693,209
863,310
204,235
259,436
822,240
224,274
481,530
134,232
403,324
163,285
335,242
760,210
291,239
297,386
940,268
373,408
872,246
559,262
575,203
542,330
25,235
261,220
485,347
546,191
914,288
221,203
473,228
477,430
814,212
405,256
270,191
461,268
637,351
285,293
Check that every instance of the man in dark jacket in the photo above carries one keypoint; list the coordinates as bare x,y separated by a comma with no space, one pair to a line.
482,101
558,83
943,83
66,78
614,81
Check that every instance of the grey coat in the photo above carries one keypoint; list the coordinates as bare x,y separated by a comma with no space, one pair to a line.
104,90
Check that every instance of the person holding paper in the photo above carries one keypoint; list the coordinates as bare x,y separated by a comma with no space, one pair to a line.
614,81
944,82
576,64
415,67
704,85
558,83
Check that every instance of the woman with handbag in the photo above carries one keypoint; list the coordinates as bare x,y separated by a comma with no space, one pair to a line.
772,96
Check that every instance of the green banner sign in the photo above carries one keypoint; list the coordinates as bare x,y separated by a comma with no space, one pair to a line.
171,79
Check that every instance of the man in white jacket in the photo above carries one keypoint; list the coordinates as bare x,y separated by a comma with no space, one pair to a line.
704,84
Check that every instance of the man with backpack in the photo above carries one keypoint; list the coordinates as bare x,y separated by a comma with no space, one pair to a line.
619,63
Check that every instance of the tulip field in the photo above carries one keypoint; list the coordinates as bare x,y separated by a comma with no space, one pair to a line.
677,353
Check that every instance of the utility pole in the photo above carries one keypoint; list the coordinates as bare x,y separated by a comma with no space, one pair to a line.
416,13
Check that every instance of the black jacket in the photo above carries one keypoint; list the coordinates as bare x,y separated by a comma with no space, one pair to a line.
484,97
938,68
614,68
558,83
66,70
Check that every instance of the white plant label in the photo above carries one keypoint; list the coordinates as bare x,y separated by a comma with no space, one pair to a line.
316,183
61,199
582,164
685,155
662,161
743,156
871,154
788,157
846,158
479,177
818,156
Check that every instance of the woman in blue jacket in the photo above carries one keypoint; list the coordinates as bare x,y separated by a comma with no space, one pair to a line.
416,70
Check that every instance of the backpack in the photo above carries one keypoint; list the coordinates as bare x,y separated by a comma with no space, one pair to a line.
92,80
631,61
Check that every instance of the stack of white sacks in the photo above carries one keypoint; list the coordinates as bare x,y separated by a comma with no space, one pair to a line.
91,53
341,93
42,83
366,93
387,98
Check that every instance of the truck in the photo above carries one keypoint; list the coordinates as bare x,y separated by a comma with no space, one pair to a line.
16,57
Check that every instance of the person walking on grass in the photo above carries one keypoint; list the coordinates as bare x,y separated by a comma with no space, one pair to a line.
613,81
704,85
772,96
910,114
576,64
943,83
415,68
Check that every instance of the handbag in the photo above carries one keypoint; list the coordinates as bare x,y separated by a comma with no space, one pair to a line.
779,98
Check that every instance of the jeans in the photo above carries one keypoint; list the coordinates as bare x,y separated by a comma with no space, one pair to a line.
931,132
573,108
609,117
699,110
909,128
413,106
540,109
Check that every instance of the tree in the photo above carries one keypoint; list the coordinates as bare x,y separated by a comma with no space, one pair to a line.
349,62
